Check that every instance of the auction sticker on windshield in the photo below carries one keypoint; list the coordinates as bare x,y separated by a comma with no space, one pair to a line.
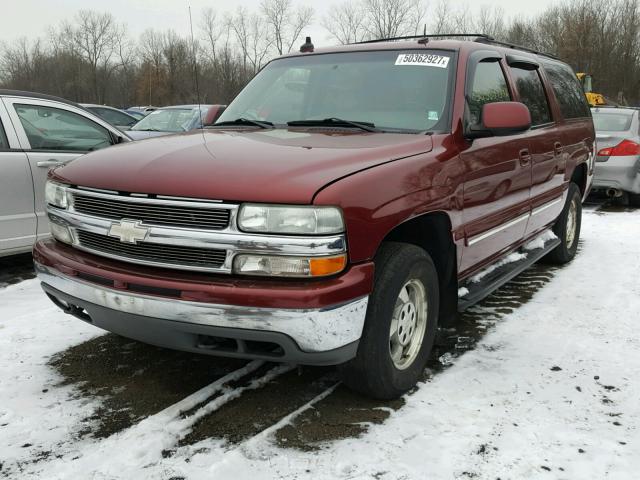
423,59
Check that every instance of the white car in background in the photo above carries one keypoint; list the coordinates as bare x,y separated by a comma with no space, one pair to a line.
38,132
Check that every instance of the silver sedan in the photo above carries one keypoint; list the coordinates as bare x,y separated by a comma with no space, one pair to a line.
617,169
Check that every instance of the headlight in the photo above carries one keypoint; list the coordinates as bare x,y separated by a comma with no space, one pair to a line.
295,220
55,194
281,266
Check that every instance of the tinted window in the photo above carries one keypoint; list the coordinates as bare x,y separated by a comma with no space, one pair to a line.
50,128
489,85
3,138
406,91
612,122
565,84
114,117
529,86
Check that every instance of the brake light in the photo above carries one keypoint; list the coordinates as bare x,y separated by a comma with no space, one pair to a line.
624,148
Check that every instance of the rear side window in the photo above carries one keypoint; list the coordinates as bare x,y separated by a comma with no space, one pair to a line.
612,122
114,117
4,144
489,85
529,86
565,84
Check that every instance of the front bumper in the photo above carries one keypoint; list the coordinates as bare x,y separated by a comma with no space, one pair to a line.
319,336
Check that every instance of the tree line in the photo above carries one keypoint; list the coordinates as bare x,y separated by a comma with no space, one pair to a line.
92,58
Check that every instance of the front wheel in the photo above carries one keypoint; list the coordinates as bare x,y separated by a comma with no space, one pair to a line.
400,326
567,228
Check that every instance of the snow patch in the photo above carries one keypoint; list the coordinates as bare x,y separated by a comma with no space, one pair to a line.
511,258
540,241
463,292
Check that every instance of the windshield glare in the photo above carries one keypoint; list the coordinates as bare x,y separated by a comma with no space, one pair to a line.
169,120
395,90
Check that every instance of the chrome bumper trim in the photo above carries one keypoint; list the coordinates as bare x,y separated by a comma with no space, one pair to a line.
314,330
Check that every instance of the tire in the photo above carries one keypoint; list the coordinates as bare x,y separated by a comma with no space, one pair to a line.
567,228
403,272
634,200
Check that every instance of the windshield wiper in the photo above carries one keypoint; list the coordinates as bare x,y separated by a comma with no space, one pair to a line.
147,130
243,121
333,121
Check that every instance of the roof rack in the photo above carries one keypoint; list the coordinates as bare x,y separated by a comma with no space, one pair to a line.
477,37
425,38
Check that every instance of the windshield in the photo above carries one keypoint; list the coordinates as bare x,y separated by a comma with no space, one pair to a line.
394,90
612,122
169,120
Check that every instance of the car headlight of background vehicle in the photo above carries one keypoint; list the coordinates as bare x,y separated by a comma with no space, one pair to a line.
55,194
292,220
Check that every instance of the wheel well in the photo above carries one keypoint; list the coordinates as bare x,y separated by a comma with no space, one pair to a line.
579,177
432,232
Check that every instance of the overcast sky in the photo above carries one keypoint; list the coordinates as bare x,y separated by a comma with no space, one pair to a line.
31,18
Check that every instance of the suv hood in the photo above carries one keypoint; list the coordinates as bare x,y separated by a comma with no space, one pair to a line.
276,166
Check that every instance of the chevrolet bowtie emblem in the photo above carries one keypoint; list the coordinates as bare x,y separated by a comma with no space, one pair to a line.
128,231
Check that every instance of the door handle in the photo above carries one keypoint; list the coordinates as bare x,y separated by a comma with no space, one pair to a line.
557,148
49,163
525,157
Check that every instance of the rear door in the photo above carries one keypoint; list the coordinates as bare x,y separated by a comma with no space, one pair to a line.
578,136
53,134
17,211
498,171
548,162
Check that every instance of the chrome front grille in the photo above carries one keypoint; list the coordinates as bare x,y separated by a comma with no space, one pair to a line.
199,216
169,255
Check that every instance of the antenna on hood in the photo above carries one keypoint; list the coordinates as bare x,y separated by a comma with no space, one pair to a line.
195,69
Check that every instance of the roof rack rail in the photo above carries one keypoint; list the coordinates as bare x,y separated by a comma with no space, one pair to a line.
477,37
491,41
425,38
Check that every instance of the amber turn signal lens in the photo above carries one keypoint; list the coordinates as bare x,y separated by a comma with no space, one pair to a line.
321,267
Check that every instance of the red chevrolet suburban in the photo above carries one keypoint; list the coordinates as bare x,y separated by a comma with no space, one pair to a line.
347,203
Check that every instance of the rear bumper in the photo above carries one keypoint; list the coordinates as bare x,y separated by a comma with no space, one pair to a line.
618,172
321,336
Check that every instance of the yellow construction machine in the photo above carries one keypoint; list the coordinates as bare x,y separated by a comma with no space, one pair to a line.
594,99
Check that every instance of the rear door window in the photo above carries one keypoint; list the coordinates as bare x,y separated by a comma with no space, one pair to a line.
49,128
568,91
531,91
114,117
489,85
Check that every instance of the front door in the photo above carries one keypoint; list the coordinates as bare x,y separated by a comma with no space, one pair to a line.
53,134
17,211
498,176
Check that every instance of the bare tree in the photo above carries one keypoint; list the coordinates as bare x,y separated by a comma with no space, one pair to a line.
249,31
346,22
212,30
95,37
285,24
393,18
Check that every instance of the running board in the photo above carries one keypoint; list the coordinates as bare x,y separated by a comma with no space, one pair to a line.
491,281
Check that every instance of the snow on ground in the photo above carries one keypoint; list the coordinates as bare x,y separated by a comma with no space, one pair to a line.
552,392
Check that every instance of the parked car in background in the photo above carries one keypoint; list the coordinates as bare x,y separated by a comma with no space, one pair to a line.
143,110
115,116
617,170
176,119
38,132
135,114
325,218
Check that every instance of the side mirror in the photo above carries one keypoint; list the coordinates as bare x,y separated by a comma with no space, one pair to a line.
502,118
